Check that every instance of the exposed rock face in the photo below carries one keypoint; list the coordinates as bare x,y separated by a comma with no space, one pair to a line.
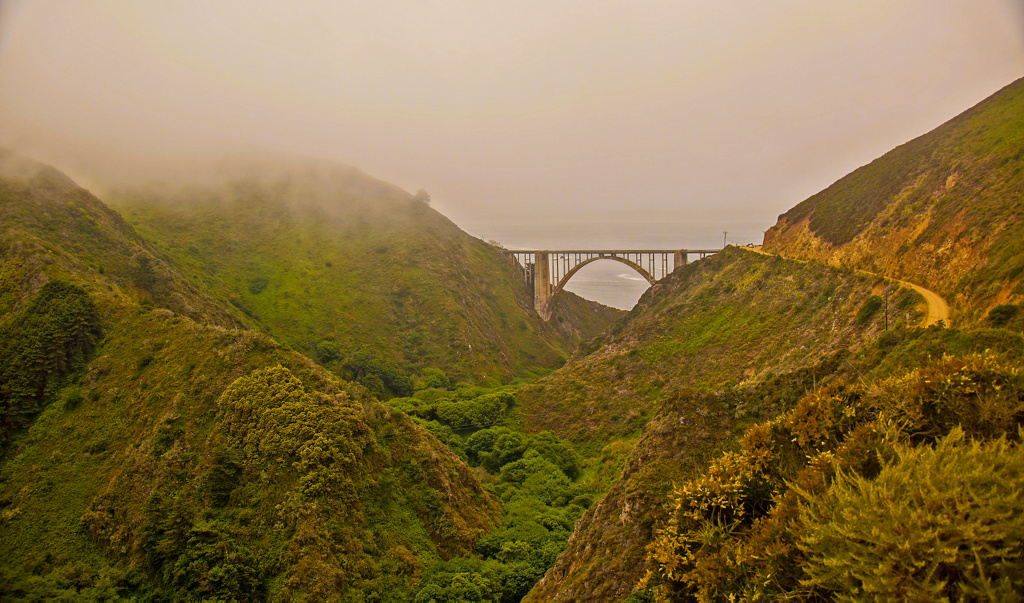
943,211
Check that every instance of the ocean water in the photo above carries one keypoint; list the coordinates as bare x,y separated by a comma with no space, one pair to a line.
609,282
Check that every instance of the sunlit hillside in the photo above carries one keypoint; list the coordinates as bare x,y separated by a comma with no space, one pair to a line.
943,211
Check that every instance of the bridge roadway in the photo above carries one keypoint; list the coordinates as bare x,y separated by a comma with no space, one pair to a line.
547,271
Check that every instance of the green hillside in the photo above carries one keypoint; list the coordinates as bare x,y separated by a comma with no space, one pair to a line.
727,350
650,420
943,211
349,270
735,318
291,381
717,346
153,448
52,228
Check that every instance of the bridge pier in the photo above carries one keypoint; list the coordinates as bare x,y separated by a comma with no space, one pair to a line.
542,284
679,258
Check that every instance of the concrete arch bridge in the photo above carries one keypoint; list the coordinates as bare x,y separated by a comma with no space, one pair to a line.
548,271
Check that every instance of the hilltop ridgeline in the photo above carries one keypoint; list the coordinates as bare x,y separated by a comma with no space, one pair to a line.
942,211
350,270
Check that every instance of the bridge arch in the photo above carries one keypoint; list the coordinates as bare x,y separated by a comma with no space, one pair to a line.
548,271
568,275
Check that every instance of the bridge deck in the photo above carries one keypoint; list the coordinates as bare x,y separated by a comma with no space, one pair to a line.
548,270
611,251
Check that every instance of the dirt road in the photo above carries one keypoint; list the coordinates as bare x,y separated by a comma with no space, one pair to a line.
938,309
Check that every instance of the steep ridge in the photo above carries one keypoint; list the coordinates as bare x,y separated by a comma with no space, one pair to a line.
337,264
735,318
55,229
153,447
716,346
942,211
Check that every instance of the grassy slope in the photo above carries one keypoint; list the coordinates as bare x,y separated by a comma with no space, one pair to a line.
721,343
52,228
104,456
943,210
146,422
732,319
351,260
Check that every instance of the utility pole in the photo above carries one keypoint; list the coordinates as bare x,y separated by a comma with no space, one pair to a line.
886,291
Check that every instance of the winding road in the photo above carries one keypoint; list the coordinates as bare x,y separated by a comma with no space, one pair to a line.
938,309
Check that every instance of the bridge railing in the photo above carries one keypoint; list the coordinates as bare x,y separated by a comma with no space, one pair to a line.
547,271
657,263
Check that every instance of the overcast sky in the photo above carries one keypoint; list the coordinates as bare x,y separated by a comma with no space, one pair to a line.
584,118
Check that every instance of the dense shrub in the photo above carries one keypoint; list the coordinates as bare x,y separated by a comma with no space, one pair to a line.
902,520
39,347
482,411
982,393
1002,314
360,365
434,378
433,396
495,447
462,579
541,505
447,436
869,308
71,582
942,523
269,415
328,352
279,492
375,385
216,566
556,450
222,476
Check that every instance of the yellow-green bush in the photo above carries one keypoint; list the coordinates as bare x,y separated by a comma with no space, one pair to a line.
941,523
271,417
480,411
770,520
822,417
982,393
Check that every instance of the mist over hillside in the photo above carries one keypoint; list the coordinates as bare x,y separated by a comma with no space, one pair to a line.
146,426
338,264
